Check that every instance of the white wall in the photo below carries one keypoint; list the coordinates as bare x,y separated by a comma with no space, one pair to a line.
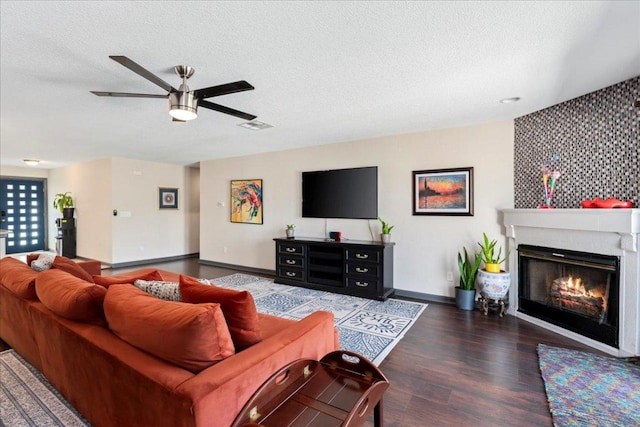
27,172
426,246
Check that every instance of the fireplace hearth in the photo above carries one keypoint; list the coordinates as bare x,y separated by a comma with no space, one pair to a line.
587,278
574,290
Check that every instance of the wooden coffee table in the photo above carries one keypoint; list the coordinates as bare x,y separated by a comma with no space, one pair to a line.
342,389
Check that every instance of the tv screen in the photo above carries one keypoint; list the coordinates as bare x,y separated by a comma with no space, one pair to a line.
340,193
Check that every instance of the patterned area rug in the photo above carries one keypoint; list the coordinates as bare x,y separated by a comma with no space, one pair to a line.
370,328
27,398
585,389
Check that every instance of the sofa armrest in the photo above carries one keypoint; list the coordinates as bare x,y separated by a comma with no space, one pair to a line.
231,383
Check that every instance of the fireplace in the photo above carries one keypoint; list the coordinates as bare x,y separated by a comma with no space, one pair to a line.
578,291
585,264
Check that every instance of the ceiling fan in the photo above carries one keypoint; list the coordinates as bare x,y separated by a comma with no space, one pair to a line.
183,103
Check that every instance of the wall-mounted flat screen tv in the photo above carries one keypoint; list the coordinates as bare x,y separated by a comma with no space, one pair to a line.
340,193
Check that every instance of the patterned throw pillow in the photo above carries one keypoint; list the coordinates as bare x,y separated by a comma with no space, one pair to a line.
168,291
44,261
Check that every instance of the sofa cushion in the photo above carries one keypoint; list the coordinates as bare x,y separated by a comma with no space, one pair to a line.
188,335
130,277
168,291
18,277
43,262
238,307
67,265
70,297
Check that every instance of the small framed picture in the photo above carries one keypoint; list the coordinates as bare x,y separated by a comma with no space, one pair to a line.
443,192
167,198
246,201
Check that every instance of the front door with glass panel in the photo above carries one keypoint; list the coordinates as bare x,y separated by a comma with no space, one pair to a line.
22,214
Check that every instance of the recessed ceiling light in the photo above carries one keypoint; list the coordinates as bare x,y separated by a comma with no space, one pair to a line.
31,162
255,125
510,100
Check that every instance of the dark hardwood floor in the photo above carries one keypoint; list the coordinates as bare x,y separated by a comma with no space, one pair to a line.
453,367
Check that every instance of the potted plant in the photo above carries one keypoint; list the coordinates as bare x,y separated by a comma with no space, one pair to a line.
385,237
291,231
492,281
64,203
466,292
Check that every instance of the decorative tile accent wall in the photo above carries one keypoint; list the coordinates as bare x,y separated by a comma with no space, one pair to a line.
596,138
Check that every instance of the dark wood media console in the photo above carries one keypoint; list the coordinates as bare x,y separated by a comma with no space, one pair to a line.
359,268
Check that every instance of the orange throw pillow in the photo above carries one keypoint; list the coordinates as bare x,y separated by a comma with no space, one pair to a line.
191,336
124,278
71,297
238,307
18,277
65,264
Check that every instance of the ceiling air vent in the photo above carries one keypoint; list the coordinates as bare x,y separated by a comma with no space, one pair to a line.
255,125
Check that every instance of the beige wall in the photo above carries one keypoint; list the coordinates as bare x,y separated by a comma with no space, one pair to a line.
149,232
91,186
426,246
140,231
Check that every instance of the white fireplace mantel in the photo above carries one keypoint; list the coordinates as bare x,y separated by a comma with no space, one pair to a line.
601,231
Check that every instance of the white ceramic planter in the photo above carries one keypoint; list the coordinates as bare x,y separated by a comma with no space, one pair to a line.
493,285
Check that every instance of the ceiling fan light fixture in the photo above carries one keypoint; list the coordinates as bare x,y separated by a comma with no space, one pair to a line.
183,106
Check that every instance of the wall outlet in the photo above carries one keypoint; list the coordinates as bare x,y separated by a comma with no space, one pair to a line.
449,276
225,249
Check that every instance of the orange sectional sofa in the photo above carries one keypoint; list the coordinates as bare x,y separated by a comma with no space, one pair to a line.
72,330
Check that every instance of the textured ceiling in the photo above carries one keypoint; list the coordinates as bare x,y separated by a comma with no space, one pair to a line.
324,72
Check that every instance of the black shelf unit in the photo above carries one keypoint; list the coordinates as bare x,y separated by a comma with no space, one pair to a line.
351,267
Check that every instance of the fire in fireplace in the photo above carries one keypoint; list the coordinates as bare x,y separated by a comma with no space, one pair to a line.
571,293
574,290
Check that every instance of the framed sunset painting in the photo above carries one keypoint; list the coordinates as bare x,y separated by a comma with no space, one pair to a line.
443,192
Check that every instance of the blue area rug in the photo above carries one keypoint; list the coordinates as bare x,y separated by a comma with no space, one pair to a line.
367,327
27,398
585,389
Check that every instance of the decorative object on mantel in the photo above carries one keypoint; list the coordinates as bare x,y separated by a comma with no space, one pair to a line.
385,236
291,229
549,178
610,203
492,282
466,292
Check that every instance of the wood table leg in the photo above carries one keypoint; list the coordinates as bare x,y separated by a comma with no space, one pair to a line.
377,415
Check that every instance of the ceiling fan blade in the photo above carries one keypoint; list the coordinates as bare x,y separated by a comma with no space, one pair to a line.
127,95
224,89
123,60
225,110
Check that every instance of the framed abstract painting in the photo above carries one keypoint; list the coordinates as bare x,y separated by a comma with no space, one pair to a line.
246,201
443,192
167,198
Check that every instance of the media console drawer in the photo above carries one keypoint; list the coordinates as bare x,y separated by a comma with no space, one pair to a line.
291,273
291,248
290,261
361,269
362,254
349,267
